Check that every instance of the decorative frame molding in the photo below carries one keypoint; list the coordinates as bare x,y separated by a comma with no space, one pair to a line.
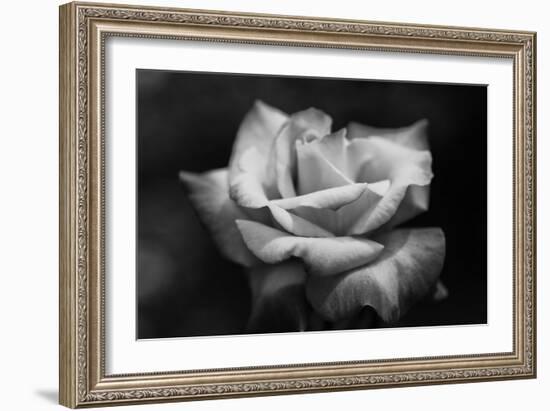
83,30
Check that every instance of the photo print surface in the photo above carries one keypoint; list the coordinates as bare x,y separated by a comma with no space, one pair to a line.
271,204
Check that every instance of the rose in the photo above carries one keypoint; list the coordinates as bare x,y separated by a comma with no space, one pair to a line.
312,214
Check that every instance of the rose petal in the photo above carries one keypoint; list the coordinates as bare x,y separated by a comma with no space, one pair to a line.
344,156
415,202
332,198
251,152
382,213
278,298
315,170
305,125
258,129
334,148
389,160
297,225
208,194
349,218
246,187
405,168
440,292
414,136
322,256
404,273
356,216
326,218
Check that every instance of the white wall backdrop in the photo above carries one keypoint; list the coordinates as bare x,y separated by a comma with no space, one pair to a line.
28,205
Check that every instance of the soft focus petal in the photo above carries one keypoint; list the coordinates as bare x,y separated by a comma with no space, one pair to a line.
410,173
334,148
278,298
305,126
326,218
332,198
209,195
414,136
403,274
440,292
258,129
245,187
394,208
297,225
322,256
356,216
350,218
382,212
247,168
339,152
415,202
389,160
315,170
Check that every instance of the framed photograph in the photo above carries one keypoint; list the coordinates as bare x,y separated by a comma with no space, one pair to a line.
259,204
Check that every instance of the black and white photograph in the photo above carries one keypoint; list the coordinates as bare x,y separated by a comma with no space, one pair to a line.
269,204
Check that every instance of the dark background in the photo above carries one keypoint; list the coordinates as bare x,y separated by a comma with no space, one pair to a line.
188,121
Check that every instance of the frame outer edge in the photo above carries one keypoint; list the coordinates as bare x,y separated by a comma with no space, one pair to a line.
534,199
78,305
68,326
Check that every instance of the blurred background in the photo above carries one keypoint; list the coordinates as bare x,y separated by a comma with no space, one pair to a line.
188,121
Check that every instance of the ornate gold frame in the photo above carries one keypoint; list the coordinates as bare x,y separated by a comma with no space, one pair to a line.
83,30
